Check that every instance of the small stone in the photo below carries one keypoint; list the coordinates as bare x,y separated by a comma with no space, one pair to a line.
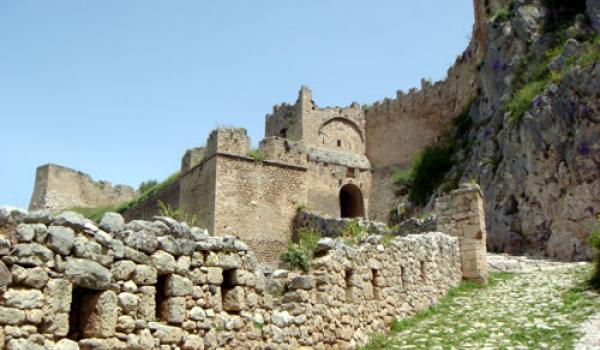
325,244
66,344
25,233
145,275
33,254
302,282
128,302
5,275
123,270
11,315
197,313
36,277
178,286
193,342
164,262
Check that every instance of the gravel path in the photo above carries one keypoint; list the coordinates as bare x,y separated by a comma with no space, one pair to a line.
541,305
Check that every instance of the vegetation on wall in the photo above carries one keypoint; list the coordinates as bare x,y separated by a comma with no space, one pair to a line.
150,187
429,168
147,185
299,253
179,214
257,155
594,243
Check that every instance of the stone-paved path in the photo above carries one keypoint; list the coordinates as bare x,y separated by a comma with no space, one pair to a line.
541,305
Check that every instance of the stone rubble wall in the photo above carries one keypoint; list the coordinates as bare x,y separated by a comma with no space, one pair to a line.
461,214
68,283
59,188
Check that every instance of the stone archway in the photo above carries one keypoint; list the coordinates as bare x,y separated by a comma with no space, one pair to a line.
351,202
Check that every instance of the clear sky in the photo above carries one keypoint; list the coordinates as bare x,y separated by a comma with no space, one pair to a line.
119,89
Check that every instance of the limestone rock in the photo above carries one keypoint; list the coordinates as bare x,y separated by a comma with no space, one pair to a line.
25,233
24,299
5,275
112,222
145,275
128,302
70,219
61,239
88,274
302,282
178,286
33,254
66,344
22,344
164,262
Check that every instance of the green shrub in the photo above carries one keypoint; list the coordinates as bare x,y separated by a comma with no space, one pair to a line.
299,253
147,185
428,172
594,242
257,155
179,214
94,214
501,15
150,191
522,100
354,233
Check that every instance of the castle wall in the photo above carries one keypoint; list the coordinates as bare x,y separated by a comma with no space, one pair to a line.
146,209
197,193
153,285
257,202
398,129
325,180
58,188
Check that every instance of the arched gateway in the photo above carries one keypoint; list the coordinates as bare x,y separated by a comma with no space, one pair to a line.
351,202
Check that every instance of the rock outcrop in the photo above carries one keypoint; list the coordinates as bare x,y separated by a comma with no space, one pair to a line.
539,172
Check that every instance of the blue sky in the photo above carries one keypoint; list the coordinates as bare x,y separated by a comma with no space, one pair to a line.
120,88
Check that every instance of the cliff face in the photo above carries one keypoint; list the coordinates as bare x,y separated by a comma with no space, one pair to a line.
535,146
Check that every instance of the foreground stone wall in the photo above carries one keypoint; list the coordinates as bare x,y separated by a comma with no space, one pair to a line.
462,215
68,283
58,188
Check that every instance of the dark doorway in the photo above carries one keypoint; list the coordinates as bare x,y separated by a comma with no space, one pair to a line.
83,303
351,202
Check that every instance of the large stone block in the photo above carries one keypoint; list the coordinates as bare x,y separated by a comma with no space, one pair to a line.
88,274
123,270
60,239
99,310
145,275
234,299
24,299
147,303
173,310
178,286
11,316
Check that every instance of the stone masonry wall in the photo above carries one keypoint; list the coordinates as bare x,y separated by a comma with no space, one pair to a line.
58,188
67,283
461,214
257,201
146,209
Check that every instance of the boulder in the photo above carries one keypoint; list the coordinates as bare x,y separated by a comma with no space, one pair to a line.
88,274
60,239
112,222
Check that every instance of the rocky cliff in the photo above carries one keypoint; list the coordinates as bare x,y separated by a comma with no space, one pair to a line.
534,140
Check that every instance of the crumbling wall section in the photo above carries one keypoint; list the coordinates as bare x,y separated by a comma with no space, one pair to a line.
58,188
462,215
70,283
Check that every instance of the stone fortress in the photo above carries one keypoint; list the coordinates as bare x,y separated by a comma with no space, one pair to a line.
336,161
